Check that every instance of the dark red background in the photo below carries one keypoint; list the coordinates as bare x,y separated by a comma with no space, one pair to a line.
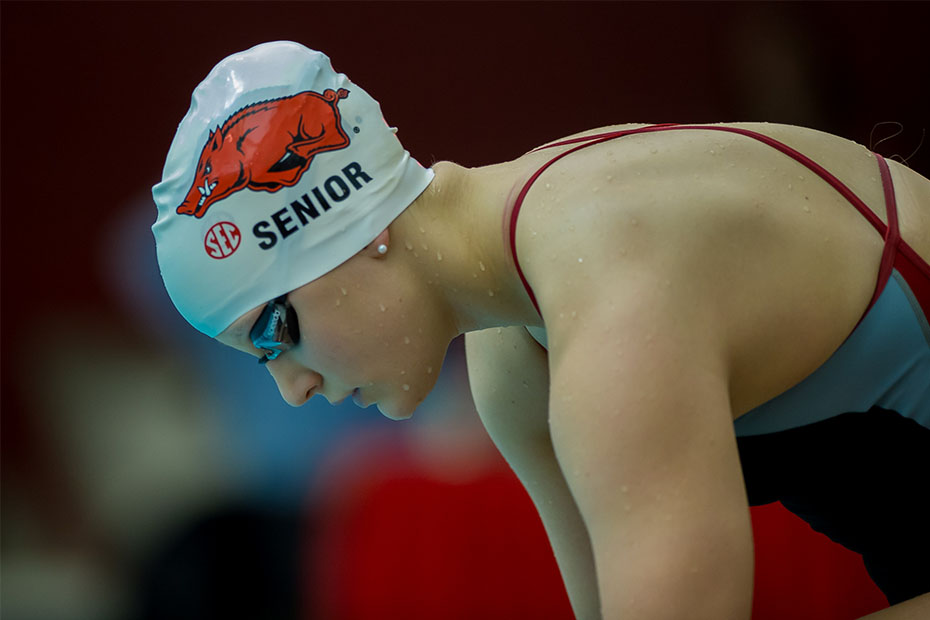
92,92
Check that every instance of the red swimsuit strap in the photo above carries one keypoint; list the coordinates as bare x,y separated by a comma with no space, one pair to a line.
890,233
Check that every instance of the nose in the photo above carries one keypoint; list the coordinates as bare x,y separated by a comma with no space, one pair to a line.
296,383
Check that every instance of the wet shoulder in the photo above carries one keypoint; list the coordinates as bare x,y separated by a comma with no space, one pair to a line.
719,218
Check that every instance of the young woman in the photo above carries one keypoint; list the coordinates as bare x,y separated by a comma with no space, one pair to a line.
663,323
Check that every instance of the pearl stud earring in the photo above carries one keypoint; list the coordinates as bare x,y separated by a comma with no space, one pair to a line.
382,249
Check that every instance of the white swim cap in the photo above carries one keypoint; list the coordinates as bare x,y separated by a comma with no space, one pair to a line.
281,170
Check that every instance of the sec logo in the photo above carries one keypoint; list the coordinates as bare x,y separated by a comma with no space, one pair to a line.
222,240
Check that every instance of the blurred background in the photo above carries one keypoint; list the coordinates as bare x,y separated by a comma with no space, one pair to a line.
148,473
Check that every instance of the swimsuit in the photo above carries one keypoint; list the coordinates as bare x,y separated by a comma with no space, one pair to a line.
848,448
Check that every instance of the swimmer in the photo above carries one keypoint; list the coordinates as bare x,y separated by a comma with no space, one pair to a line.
664,323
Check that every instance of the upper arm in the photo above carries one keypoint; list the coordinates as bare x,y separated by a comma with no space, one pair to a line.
509,377
642,428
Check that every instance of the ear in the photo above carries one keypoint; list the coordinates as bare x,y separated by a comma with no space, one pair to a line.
383,238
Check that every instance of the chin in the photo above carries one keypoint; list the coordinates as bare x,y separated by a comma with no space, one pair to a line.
400,406
392,412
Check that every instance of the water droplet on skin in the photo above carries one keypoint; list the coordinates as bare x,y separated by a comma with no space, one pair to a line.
409,245
561,315
490,293
425,247
406,387
481,265
572,227
548,186
429,370
626,507
474,275
532,233
439,256
415,255
800,177
595,189
526,385
580,260
807,209
344,292
654,151
403,372
500,330
574,314
624,489
406,339
421,230
383,309
610,178
790,186
713,152
338,302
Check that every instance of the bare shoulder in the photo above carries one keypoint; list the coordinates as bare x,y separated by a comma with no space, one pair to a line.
596,131
732,228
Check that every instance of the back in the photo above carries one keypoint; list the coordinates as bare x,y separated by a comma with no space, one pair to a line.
791,262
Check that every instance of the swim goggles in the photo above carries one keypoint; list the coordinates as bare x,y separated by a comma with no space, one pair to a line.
276,329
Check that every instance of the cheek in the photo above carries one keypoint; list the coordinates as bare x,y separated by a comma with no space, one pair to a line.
349,329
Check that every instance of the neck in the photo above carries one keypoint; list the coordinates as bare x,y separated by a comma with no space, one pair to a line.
454,239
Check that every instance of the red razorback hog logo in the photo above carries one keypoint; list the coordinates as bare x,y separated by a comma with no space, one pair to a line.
266,146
